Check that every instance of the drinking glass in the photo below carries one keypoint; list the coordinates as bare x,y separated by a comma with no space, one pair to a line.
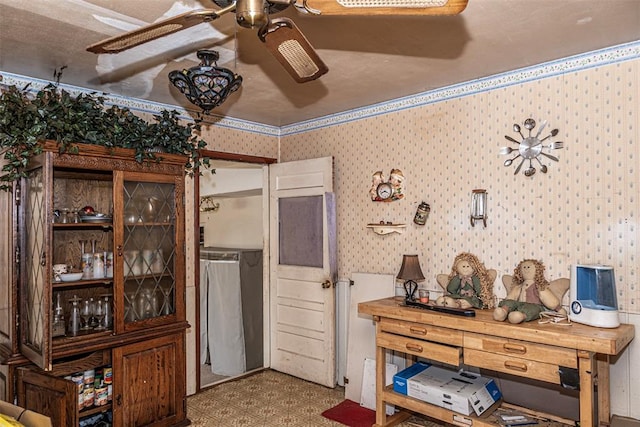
99,312
86,313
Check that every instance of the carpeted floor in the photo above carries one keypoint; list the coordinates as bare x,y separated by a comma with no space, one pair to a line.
269,399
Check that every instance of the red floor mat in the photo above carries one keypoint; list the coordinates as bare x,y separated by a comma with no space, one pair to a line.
351,414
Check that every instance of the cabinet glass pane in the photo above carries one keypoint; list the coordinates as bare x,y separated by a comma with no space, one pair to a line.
6,251
83,241
33,303
149,250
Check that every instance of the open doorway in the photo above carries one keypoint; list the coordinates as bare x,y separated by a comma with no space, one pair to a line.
229,289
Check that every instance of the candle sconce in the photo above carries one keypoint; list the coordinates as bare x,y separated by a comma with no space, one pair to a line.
208,205
479,207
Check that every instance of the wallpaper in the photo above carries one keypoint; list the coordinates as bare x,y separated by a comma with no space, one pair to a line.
584,210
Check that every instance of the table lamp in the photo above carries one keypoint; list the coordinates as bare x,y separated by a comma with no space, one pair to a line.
410,272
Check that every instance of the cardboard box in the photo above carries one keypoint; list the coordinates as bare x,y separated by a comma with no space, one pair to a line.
24,416
458,391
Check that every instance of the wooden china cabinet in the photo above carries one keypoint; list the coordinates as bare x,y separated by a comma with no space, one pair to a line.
135,355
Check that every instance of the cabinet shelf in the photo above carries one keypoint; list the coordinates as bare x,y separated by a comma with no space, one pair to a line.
94,410
82,335
148,224
83,226
82,283
138,277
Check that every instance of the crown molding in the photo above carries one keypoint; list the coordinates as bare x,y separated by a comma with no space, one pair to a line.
606,56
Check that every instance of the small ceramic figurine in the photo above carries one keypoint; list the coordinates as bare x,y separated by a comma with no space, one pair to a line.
378,178
468,285
396,179
529,294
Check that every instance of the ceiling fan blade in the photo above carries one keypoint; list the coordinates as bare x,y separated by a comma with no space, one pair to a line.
385,7
292,49
158,29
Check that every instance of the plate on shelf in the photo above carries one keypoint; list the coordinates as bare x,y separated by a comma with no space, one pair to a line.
71,277
99,218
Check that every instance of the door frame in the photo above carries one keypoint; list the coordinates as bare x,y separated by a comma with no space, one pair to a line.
234,157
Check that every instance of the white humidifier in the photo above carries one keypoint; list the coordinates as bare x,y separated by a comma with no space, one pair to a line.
593,296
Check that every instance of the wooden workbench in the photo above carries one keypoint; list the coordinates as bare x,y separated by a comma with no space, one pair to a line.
528,350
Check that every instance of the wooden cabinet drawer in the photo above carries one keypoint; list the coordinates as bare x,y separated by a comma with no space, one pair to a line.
521,349
513,365
422,331
425,349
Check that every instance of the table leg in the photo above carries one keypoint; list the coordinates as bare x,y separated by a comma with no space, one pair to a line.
381,375
586,369
604,390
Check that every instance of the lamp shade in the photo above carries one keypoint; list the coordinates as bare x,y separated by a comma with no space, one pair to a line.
410,269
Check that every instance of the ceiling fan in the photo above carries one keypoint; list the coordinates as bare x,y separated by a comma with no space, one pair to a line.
281,36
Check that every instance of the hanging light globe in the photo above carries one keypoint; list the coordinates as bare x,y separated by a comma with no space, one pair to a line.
206,85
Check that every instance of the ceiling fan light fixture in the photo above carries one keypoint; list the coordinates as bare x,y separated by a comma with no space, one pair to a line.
206,85
292,49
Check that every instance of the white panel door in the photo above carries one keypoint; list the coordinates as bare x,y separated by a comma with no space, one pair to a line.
302,271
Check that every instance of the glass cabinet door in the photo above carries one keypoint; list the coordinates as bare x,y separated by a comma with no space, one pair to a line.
149,250
35,259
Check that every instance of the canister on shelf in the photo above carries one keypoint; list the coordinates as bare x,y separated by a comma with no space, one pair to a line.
89,395
89,376
107,375
97,382
86,266
98,265
422,213
78,380
108,264
101,396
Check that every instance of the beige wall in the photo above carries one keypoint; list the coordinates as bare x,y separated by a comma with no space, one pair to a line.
237,224
584,210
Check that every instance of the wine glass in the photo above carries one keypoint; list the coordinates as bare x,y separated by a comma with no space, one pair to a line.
99,312
86,313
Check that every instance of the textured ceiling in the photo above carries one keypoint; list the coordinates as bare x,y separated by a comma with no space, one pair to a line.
370,59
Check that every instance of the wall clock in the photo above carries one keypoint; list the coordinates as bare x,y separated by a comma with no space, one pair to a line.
531,147
383,190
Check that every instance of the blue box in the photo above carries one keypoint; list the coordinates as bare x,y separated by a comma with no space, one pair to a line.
458,391
401,379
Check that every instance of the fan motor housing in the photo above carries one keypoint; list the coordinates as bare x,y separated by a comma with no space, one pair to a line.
251,13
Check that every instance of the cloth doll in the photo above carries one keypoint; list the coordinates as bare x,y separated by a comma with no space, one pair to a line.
529,294
468,285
